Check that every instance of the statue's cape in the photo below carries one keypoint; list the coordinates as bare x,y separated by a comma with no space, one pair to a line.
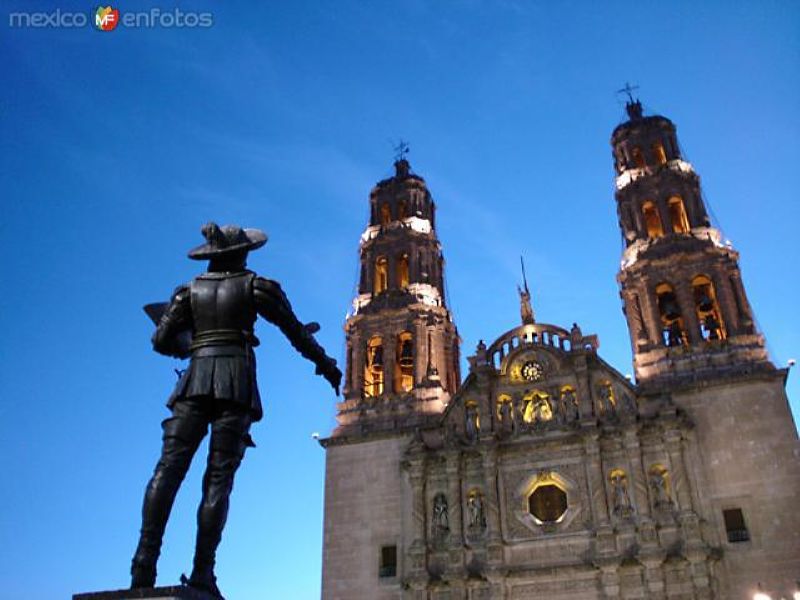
155,311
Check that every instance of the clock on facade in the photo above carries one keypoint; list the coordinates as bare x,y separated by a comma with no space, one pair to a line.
532,371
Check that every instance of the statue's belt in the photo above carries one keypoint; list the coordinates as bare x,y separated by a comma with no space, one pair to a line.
222,342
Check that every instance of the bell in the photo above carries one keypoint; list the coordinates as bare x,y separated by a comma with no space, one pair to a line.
712,326
669,306
406,354
704,301
674,334
377,359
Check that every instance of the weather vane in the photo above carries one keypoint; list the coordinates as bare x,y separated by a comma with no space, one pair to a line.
401,150
628,89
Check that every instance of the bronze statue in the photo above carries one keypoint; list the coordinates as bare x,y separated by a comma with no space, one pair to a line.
210,320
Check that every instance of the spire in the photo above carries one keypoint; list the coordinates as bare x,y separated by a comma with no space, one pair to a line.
525,307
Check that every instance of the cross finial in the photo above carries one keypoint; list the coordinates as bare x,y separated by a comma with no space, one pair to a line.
633,107
401,150
629,89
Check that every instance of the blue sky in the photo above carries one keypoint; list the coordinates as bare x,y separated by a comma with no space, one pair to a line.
117,146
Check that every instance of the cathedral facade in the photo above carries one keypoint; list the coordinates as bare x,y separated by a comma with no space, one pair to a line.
544,472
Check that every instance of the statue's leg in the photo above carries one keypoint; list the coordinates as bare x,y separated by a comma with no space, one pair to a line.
229,438
183,432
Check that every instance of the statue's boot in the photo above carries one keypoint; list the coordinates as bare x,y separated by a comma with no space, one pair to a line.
226,450
182,435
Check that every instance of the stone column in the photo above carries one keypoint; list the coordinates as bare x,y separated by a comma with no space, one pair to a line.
492,501
727,305
456,502
389,358
415,566
595,479
745,312
638,476
652,314
685,296
680,483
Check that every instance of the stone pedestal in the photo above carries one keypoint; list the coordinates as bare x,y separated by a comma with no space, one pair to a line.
175,592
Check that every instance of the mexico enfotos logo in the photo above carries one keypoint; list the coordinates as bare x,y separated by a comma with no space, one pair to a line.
107,18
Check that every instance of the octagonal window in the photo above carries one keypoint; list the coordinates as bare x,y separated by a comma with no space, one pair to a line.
548,503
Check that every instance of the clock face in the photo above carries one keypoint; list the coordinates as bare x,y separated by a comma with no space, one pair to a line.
532,371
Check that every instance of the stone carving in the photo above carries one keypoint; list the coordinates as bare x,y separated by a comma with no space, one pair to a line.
658,487
471,425
477,516
506,416
621,498
607,400
440,525
569,405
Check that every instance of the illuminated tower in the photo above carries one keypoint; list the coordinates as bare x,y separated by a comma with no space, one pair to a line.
402,369
687,310
694,341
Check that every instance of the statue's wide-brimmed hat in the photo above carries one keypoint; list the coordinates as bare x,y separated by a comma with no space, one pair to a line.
227,239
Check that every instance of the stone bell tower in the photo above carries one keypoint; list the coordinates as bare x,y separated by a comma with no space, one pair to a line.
402,369
694,340
687,310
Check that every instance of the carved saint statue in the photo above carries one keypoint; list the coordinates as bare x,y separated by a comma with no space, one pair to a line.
622,501
607,402
210,321
477,518
441,522
658,487
506,415
568,406
471,425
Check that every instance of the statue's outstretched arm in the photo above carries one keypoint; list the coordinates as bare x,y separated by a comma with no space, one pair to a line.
274,306
177,318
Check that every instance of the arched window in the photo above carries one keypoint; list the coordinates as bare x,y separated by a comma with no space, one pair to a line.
386,214
401,210
402,271
677,214
705,303
673,332
638,157
404,363
381,274
658,152
652,221
373,368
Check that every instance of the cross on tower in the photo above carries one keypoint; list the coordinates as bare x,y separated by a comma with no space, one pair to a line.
628,89
401,150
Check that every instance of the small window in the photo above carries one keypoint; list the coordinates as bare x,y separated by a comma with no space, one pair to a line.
548,503
388,564
373,368
735,526
708,315
652,220
677,214
658,152
381,274
402,271
638,157
386,214
404,363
